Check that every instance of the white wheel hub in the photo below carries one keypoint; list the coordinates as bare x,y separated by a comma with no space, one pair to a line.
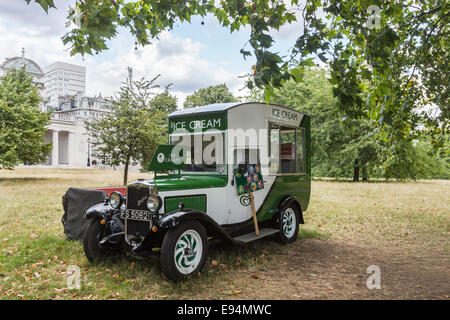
289,223
188,251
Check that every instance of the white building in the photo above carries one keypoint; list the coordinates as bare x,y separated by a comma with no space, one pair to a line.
62,79
31,68
71,144
63,87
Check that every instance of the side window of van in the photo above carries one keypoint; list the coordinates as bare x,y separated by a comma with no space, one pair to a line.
287,150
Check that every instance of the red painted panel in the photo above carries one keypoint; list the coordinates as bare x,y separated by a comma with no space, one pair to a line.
109,190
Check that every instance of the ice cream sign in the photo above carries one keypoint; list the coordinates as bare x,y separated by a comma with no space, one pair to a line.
216,121
285,115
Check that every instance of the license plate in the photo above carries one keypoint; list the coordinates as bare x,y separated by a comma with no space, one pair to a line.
140,215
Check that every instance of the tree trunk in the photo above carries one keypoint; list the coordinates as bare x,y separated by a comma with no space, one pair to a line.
356,171
364,173
125,173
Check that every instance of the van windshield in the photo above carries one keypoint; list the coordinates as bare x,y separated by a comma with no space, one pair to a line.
201,152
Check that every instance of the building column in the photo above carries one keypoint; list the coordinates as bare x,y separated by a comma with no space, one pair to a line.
55,150
69,147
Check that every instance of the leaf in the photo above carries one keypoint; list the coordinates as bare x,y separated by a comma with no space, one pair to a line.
236,292
245,53
297,73
37,264
255,276
45,4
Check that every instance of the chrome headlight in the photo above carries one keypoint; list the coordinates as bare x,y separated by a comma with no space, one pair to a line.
154,202
115,199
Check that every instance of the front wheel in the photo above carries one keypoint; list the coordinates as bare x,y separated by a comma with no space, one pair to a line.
93,235
184,251
289,224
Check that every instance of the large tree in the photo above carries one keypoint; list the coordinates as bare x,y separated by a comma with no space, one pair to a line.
347,147
212,94
135,125
339,148
385,41
388,59
22,122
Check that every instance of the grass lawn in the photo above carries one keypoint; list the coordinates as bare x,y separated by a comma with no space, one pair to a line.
394,224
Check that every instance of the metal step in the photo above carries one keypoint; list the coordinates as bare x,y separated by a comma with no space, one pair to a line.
249,237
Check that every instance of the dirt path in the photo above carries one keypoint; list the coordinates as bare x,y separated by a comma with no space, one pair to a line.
325,269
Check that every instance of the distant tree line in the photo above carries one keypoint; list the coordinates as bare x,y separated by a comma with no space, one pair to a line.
342,146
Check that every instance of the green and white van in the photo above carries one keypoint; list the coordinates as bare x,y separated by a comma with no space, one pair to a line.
227,169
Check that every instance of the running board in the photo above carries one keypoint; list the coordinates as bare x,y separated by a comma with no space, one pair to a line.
249,237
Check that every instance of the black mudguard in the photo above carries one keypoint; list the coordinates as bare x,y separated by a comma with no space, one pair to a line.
100,210
287,202
212,228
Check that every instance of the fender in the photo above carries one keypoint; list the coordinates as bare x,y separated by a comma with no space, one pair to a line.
288,201
100,210
175,218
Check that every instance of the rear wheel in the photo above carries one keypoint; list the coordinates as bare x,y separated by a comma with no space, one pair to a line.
289,224
94,233
184,251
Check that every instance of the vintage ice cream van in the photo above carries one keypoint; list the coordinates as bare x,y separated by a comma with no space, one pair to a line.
234,171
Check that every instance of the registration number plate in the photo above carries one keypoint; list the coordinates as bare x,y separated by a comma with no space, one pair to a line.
140,215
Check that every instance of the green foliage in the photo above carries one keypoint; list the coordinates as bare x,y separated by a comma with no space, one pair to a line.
416,161
340,143
164,102
385,67
255,95
389,67
209,95
136,125
22,123
45,4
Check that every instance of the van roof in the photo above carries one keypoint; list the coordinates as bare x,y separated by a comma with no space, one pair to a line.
218,107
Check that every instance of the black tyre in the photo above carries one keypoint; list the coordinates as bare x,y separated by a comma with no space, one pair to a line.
289,224
92,237
184,250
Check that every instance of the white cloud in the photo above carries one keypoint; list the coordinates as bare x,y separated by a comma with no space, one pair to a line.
178,60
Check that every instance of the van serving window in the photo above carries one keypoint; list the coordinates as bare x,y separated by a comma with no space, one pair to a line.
287,150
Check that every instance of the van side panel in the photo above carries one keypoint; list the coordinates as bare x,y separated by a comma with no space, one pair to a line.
297,185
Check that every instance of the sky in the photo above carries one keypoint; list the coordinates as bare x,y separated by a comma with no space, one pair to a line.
192,56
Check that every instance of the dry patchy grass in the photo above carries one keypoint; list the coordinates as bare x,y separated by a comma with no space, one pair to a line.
34,254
